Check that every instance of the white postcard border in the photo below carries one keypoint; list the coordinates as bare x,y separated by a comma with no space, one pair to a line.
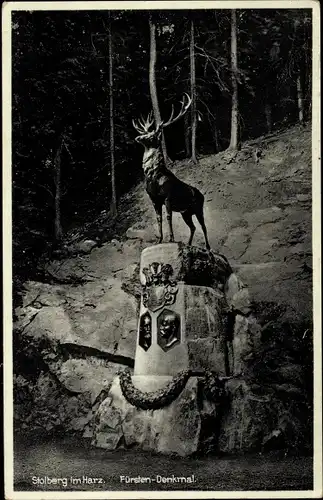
7,9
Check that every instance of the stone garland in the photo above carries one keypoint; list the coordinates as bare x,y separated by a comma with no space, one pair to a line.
213,389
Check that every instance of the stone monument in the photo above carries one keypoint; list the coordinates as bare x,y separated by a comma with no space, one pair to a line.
172,401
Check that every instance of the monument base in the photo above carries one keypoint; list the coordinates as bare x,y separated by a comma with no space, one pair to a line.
184,427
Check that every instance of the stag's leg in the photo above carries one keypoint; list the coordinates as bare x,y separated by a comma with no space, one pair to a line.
200,218
187,216
169,215
159,215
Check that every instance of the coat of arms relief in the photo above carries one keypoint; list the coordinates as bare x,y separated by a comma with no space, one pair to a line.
159,290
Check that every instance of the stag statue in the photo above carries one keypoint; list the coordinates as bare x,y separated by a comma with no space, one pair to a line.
162,186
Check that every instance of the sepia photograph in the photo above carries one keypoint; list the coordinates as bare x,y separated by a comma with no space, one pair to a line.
161,195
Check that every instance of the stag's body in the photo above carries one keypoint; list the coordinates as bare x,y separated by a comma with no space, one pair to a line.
164,188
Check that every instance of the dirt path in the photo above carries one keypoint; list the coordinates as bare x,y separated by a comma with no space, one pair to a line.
70,458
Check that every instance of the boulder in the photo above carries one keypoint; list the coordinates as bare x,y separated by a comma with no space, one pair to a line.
86,246
237,295
52,408
204,311
236,243
37,294
80,335
245,420
175,429
208,354
263,216
54,322
97,315
277,282
140,234
264,418
106,322
246,341
86,375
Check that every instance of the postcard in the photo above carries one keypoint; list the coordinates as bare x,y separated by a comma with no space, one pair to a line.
162,249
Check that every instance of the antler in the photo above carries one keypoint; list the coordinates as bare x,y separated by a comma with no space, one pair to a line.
143,126
182,112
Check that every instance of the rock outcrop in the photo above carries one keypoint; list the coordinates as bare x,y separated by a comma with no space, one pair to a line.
74,332
175,429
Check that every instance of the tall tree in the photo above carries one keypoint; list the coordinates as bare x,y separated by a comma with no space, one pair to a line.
193,93
299,71
58,190
187,128
152,80
270,84
234,78
113,203
300,100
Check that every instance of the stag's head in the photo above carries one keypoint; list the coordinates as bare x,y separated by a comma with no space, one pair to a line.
150,133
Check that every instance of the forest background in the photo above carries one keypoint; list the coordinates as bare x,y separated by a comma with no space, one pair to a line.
79,78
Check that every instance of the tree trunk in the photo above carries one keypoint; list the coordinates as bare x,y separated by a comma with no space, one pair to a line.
187,135
58,192
307,82
300,101
216,139
113,204
300,63
234,76
268,114
309,98
193,93
152,82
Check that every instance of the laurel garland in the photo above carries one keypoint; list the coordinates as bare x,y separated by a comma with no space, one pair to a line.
213,389
152,400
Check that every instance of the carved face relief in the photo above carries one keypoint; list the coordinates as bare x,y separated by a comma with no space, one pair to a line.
145,331
168,329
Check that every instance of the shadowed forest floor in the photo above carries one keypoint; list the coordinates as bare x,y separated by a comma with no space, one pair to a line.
66,458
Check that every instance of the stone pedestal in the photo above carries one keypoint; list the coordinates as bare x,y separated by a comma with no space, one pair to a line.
175,429
180,329
181,319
